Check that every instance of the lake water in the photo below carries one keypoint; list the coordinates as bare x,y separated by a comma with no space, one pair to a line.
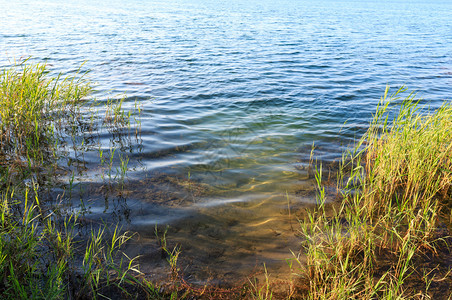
233,95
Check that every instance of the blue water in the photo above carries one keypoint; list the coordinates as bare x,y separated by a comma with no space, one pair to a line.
234,93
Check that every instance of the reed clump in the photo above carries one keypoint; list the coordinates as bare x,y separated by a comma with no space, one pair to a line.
387,238
32,104
43,254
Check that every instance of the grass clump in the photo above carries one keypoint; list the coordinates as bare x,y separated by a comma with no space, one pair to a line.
387,238
43,253
31,104
41,260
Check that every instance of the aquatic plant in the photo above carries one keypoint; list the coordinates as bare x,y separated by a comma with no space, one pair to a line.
42,255
395,190
33,105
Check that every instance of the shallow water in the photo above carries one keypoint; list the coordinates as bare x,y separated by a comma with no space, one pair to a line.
232,95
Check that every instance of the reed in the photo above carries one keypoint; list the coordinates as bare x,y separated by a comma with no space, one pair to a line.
394,186
41,253
32,105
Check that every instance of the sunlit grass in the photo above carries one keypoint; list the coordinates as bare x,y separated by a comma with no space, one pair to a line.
396,186
33,105
41,255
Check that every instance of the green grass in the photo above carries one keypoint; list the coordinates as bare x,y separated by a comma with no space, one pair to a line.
394,188
33,107
41,253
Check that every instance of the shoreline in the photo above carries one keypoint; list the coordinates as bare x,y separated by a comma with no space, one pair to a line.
364,239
